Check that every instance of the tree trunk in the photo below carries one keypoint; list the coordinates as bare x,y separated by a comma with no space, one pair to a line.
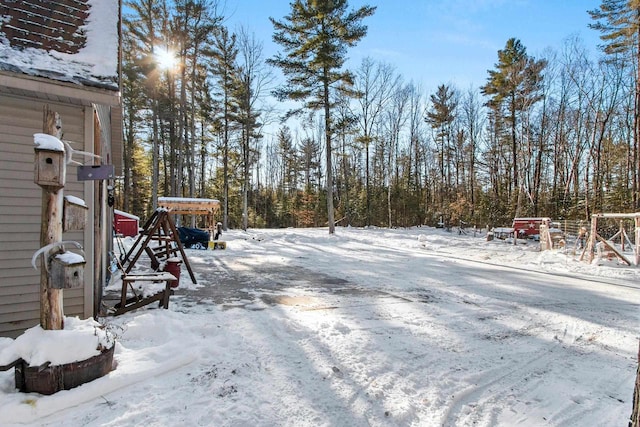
367,181
225,163
245,175
155,157
327,132
514,152
203,161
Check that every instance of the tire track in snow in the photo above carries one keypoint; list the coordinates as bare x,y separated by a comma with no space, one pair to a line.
473,404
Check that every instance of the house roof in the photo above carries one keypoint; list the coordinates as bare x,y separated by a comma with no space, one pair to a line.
73,41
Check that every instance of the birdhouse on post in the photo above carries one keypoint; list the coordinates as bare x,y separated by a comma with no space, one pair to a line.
66,270
74,215
50,162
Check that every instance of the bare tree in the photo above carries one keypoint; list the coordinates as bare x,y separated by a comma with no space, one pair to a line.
395,119
253,80
473,122
375,84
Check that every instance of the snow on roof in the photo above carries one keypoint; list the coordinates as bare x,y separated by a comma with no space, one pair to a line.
537,218
186,200
75,200
45,141
70,258
125,214
96,60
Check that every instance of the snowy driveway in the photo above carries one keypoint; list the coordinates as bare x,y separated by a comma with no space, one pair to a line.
471,342
376,328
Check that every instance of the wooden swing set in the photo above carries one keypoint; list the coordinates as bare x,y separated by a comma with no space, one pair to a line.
159,240
190,206
607,245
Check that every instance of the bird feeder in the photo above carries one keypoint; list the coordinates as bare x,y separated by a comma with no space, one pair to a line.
66,270
74,216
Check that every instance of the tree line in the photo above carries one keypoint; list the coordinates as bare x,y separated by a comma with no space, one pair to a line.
551,136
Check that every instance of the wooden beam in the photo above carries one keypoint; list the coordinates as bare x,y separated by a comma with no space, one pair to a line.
616,215
617,253
187,207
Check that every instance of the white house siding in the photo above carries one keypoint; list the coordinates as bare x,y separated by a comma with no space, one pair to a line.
20,210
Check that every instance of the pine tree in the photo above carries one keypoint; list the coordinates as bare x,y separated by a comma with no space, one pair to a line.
440,117
288,175
224,67
618,21
315,37
514,87
196,22
142,27
133,100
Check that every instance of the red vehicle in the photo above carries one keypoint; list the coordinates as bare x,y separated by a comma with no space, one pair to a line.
529,228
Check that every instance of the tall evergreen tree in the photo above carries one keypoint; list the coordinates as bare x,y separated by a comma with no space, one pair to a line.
224,67
143,27
133,101
618,21
440,117
315,37
514,87
288,175
196,21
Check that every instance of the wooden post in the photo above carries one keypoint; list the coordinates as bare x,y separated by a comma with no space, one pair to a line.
591,243
51,306
637,230
634,421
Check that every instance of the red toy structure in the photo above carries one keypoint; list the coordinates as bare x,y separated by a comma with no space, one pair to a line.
528,227
125,224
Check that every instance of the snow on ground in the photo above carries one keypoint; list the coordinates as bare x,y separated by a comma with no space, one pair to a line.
367,327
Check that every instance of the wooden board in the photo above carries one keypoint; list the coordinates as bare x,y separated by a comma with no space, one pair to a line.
179,205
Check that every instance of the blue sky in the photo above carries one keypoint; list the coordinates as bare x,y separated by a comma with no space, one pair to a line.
441,41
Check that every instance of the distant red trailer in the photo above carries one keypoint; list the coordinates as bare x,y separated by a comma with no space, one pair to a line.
125,223
528,227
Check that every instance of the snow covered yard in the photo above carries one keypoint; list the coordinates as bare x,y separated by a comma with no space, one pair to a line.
375,327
